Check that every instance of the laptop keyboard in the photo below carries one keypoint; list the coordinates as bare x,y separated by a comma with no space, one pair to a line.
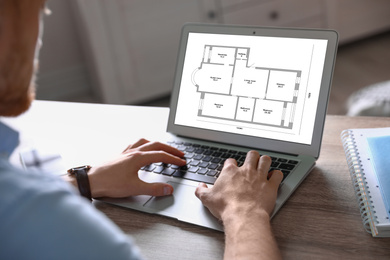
204,163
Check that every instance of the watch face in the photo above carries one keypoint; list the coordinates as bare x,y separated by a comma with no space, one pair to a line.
84,167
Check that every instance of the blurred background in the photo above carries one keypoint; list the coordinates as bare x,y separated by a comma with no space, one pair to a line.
124,51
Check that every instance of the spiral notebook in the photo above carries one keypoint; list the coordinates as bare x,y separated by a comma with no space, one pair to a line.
366,162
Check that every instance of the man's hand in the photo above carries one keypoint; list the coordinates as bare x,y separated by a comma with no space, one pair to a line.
244,198
119,178
243,188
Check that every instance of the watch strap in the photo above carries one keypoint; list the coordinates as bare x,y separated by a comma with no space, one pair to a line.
81,174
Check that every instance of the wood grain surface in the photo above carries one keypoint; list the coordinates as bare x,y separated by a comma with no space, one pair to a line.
321,220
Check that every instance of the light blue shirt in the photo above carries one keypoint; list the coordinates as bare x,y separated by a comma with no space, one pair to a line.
9,140
42,217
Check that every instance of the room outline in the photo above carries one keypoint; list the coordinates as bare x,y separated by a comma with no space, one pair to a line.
232,89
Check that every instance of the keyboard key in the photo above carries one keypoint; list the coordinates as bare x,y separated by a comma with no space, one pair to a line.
200,151
216,160
207,158
193,169
189,155
212,173
285,173
282,160
236,157
208,152
190,149
149,168
292,162
203,164
213,166
179,173
194,163
217,154
202,171
275,164
181,148
158,169
168,171
198,157
285,166
226,155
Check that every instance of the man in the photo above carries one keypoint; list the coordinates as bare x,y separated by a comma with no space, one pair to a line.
42,217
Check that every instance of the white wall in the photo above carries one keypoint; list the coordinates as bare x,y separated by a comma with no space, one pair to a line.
64,62
63,72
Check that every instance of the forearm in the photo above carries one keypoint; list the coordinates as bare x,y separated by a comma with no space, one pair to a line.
249,236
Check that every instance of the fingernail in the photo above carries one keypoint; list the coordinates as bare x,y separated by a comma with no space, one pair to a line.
168,190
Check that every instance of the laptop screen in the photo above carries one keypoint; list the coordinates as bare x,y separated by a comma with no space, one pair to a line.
254,85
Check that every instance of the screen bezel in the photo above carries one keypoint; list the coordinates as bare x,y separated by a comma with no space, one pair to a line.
249,141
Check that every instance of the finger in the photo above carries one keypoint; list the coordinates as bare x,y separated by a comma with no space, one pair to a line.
155,146
145,158
275,178
264,164
252,158
140,142
155,189
201,190
230,161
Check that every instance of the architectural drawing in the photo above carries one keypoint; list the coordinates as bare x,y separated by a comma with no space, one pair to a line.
232,89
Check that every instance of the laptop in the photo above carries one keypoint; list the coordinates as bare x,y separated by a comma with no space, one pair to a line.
241,88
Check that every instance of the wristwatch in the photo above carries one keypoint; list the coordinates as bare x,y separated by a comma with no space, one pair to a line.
81,174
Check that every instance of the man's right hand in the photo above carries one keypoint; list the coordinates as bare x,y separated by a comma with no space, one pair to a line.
243,198
244,188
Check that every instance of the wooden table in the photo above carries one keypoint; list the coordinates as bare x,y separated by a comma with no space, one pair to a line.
321,220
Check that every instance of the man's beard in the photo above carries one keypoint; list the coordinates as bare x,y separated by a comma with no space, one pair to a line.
19,78
18,99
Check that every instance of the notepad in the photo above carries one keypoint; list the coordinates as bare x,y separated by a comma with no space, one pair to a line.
367,152
380,152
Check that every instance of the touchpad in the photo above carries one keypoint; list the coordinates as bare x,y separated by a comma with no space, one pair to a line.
183,205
